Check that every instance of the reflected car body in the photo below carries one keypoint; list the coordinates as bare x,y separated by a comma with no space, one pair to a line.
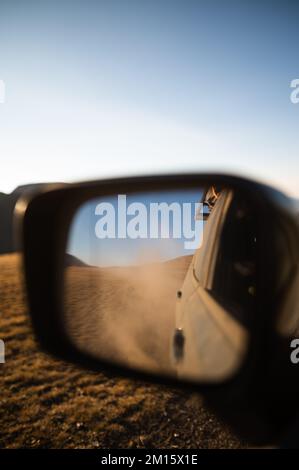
213,339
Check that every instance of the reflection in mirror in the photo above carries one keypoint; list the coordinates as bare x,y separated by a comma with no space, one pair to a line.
163,282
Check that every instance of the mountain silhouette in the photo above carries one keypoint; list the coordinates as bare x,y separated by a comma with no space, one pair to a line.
71,260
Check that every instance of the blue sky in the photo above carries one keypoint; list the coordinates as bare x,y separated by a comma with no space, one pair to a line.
98,88
85,244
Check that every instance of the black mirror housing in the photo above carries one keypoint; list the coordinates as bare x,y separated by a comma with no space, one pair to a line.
259,399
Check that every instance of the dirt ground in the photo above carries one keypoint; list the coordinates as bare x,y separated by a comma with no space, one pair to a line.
46,403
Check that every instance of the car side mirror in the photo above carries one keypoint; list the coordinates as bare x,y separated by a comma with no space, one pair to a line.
189,280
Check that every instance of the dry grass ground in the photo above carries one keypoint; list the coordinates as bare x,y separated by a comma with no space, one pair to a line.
49,404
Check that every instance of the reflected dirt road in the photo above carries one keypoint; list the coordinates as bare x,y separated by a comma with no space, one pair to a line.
126,314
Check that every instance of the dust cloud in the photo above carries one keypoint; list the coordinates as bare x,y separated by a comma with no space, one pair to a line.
125,314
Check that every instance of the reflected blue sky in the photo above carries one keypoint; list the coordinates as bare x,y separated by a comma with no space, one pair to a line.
98,88
85,244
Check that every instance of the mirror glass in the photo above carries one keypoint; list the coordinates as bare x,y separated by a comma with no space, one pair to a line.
163,281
